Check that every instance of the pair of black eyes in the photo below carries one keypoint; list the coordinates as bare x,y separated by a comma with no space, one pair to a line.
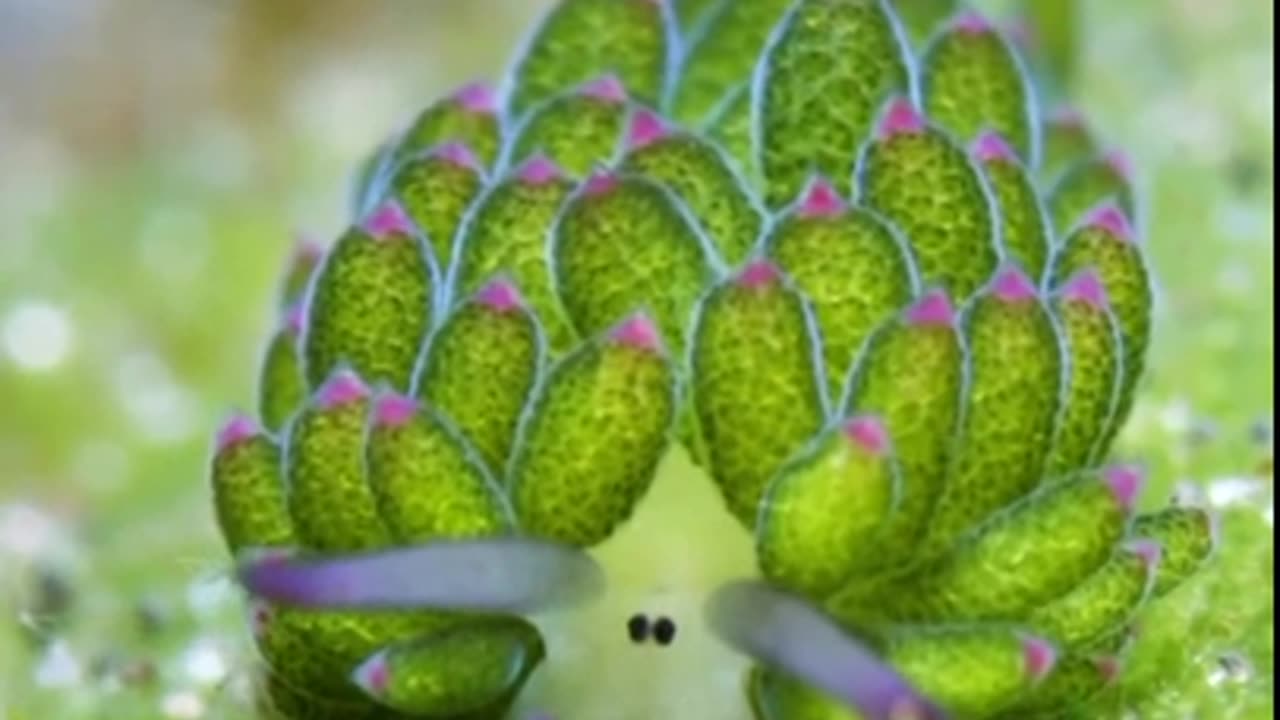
663,629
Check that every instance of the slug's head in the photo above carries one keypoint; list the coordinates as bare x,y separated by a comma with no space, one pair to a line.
598,348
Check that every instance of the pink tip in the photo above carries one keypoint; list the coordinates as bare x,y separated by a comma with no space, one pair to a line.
307,249
458,154
1109,667
759,274
602,182
1038,657
501,296
971,23
1120,164
235,431
901,118
638,332
539,170
607,88
394,410
934,309
1125,483
1112,221
1086,287
295,318
647,127
991,147
1013,286
821,199
868,433
373,675
1148,551
477,98
341,388
389,219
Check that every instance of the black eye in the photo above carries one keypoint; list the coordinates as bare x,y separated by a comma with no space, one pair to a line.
638,628
664,631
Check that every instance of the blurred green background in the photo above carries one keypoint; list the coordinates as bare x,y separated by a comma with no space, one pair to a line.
158,159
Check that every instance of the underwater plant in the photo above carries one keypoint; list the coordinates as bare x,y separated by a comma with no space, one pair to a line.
893,311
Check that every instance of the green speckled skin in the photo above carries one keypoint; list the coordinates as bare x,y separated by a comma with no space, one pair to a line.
971,82
282,388
1099,606
911,376
1187,538
275,699
248,495
591,441
448,120
921,18
463,670
1123,271
1014,397
1075,680
730,127
582,39
926,185
577,131
853,270
700,176
1066,142
804,128
756,391
822,516
723,56
328,499
1024,227
1092,338
1084,186
972,670
508,234
479,371
370,308
427,484
628,249
777,696
435,193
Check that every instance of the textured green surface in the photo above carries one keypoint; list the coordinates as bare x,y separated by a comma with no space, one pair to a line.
911,374
972,81
822,517
468,116
1122,268
825,77
776,696
581,39
624,244
508,234
1102,604
275,699
926,185
425,482
331,506
1067,140
921,18
700,175
1025,231
468,670
370,308
282,387
248,493
730,126
970,670
757,396
576,130
1092,340
1074,681
1088,184
480,369
853,270
592,440
435,190
1187,538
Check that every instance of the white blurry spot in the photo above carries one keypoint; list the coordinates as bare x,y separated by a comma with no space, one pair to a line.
219,153
174,243
1241,221
58,667
204,663
1189,493
162,410
207,596
27,533
1227,491
182,705
37,335
1230,667
1175,417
